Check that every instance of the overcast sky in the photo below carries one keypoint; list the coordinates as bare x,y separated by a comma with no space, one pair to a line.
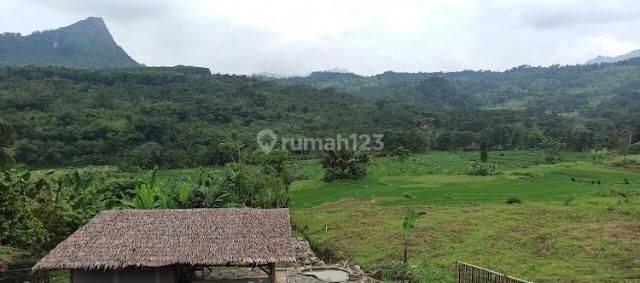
363,36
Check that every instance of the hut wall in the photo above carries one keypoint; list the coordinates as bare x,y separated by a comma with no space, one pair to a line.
124,276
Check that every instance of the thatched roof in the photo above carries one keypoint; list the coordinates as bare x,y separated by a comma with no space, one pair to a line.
117,239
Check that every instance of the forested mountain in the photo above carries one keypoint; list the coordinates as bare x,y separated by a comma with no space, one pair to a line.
85,44
605,59
178,117
582,92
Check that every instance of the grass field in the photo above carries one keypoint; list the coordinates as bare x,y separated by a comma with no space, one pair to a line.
578,220
573,221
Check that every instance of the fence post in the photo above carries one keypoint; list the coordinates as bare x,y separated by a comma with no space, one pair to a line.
469,273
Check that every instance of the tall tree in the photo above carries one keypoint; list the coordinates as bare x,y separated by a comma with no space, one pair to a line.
484,154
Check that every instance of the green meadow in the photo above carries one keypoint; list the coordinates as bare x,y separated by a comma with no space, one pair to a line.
576,219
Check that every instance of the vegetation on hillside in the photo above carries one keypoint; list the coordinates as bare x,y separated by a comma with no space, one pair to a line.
85,44
551,193
583,106
177,117
7,137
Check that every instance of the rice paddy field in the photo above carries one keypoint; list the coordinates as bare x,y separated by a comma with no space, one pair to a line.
576,221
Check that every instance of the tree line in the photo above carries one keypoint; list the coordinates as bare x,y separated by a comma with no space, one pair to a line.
181,117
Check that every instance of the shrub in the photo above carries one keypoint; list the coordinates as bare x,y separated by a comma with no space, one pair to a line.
238,187
408,196
569,199
401,153
553,150
484,154
395,271
634,148
19,227
298,174
627,163
625,196
345,164
514,200
483,169
600,154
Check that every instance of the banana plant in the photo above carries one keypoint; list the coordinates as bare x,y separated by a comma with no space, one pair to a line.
408,225
145,197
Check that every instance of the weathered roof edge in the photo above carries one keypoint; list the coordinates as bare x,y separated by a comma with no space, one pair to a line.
50,263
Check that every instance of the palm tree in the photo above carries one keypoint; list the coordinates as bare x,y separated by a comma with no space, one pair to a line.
7,137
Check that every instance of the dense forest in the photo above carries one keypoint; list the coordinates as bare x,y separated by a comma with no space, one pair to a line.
582,92
180,116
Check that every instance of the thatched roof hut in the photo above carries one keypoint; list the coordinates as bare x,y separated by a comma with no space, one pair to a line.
125,239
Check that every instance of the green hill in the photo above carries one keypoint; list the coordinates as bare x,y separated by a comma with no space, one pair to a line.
582,90
85,44
176,117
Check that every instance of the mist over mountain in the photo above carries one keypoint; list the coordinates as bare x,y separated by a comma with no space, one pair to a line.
605,59
85,44
338,70
270,75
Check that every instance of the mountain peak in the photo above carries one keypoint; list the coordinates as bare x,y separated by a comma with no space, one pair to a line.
93,19
84,44
90,22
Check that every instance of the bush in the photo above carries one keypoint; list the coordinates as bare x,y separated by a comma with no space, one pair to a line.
634,148
345,164
239,187
553,150
514,200
401,153
569,199
19,227
395,271
483,169
627,163
600,154
408,196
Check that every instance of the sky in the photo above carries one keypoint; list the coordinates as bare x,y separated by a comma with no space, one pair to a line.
363,36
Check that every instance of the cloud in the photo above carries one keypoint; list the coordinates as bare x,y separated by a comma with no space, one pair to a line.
117,10
566,14
365,36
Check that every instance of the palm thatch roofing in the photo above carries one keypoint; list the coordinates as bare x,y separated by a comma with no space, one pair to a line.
118,239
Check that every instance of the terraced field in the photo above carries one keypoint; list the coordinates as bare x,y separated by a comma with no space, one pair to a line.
577,220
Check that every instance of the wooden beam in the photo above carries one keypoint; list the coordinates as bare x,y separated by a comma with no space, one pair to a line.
267,270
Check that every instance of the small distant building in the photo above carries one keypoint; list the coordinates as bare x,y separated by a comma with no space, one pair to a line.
166,246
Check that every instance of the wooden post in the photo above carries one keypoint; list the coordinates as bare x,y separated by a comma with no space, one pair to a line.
272,276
